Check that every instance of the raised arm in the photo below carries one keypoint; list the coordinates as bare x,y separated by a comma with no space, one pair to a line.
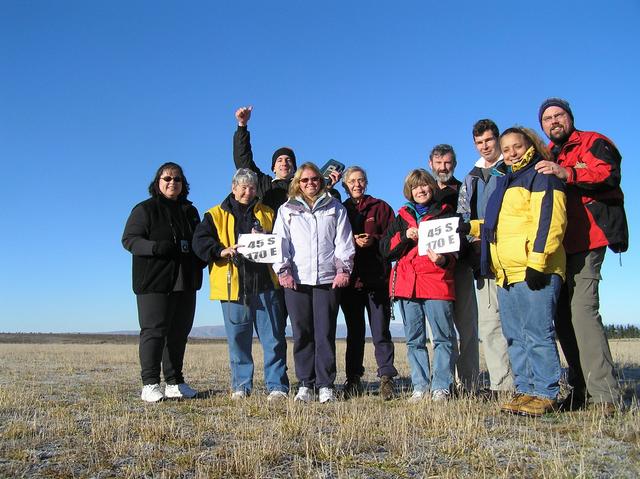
242,153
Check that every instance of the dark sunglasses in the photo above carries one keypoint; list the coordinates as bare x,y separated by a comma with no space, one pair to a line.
177,179
313,179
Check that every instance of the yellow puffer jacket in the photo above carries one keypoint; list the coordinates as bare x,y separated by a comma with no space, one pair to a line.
531,226
224,223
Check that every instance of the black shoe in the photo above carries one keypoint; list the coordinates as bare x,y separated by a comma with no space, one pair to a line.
487,395
352,387
574,401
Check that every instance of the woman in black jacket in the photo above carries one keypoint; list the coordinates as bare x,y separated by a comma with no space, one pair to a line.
166,276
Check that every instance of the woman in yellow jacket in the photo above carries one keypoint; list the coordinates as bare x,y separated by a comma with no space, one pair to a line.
521,238
248,291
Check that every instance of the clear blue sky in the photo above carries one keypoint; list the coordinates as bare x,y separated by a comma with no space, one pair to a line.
95,95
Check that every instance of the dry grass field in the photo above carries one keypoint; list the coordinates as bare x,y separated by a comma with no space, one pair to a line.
73,410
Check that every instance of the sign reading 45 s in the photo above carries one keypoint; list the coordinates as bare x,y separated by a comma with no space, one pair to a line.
260,247
438,235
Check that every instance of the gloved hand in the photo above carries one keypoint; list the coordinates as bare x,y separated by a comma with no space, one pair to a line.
163,248
535,279
464,228
341,280
286,280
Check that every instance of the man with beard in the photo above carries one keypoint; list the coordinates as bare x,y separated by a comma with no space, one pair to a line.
442,162
474,195
589,164
272,191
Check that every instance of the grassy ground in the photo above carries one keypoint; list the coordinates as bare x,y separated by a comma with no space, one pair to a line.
73,410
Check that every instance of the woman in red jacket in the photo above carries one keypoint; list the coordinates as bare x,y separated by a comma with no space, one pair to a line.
425,289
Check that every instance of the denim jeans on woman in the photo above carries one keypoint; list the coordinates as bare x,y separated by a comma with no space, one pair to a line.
527,324
264,312
415,313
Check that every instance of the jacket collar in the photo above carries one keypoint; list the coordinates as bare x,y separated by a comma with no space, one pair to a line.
227,206
298,204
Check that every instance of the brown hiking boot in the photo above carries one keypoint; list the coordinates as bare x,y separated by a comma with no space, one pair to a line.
387,388
516,402
538,407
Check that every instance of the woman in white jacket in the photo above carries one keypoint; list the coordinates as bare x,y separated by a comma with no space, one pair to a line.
318,253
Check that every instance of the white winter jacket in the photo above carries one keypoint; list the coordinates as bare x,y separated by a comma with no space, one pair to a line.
318,241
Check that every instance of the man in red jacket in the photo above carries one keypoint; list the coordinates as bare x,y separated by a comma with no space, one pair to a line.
589,163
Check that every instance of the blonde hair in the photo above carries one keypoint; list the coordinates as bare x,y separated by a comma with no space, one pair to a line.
418,177
294,186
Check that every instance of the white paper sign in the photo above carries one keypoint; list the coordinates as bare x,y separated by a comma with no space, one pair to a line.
260,247
438,235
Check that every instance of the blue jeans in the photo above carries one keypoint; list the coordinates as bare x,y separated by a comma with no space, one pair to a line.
265,312
445,345
527,324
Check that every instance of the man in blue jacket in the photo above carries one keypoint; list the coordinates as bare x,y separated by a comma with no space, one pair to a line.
472,202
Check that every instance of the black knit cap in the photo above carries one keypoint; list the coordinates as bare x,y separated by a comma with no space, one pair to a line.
283,151
559,102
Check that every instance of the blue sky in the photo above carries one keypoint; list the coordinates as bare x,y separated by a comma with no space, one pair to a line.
95,95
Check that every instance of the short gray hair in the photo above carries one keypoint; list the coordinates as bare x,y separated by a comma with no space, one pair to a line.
347,173
243,176
443,149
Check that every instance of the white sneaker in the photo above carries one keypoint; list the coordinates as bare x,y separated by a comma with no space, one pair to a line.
417,396
304,394
327,395
239,394
440,395
182,390
151,393
276,396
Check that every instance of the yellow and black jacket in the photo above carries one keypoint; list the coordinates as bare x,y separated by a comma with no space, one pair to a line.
525,223
220,229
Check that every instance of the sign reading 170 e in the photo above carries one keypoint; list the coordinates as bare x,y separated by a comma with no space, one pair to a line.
439,236
260,247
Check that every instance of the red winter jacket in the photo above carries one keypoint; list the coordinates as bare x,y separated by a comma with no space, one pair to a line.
413,276
595,202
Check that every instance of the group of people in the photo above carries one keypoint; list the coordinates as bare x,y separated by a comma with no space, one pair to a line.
535,222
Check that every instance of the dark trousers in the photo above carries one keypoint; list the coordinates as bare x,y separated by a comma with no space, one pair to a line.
354,302
165,323
313,311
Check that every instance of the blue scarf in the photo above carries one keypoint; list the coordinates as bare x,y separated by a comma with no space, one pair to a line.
419,211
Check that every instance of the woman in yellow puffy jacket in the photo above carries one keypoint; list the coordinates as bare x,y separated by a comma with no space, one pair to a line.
522,238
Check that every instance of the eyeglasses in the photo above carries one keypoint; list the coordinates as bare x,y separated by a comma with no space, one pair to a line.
313,179
556,117
358,181
176,179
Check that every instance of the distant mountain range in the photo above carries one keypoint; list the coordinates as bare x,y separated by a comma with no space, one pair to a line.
397,331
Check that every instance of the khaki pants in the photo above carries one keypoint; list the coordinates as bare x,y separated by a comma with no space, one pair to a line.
494,343
580,331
